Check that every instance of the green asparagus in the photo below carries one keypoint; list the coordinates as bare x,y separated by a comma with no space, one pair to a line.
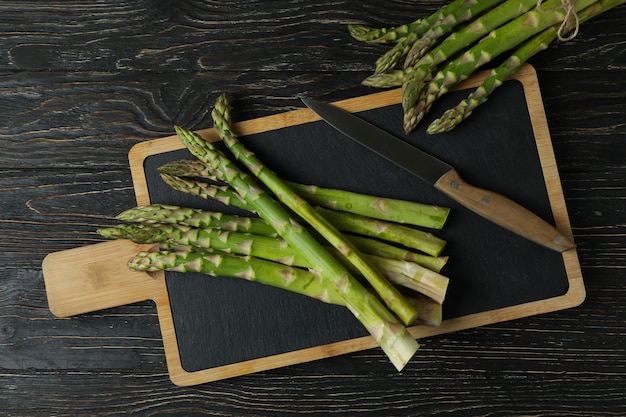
388,209
468,11
253,269
398,53
452,117
413,238
462,38
395,34
369,34
432,67
191,168
388,293
345,222
265,272
431,312
418,78
221,193
156,214
497,42
387,79
386,250
412,276
159,213
271,248
386,330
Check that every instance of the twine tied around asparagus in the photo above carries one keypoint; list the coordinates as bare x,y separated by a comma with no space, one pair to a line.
569,27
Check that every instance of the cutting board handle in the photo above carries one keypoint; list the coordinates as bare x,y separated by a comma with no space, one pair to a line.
95,277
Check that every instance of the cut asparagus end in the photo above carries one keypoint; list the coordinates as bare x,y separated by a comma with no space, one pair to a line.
431,312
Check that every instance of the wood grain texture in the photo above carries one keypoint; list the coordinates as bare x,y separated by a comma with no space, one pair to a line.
81,82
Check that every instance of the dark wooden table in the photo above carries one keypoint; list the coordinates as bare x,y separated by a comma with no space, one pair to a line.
81,82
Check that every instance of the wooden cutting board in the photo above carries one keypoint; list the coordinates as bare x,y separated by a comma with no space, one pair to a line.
215,328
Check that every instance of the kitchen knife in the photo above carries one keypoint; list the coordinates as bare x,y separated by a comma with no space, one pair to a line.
492,206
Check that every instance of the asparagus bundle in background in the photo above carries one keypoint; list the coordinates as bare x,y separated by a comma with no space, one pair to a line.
432,55
288,241
386,329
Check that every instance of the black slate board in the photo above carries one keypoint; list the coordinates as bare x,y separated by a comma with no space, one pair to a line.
220,321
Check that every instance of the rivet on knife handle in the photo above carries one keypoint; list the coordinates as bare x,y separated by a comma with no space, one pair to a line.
503,212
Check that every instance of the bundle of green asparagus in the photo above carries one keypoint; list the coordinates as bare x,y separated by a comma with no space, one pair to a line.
363,252
434,54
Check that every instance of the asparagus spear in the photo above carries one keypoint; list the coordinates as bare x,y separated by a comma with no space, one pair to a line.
389,209
393,57
264,272
221,193
417,28
413,238
498,41
419,85
377,247
386,330
466,12
452,117
397,54
247,267
188,168
386,79
343,221
163,214
388,293
157,214
431,312
409,275
463,37
273,249
369,34
413,276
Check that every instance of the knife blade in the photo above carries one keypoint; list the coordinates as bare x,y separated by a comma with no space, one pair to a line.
444,177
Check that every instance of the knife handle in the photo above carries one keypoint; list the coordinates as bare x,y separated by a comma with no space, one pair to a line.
502,211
